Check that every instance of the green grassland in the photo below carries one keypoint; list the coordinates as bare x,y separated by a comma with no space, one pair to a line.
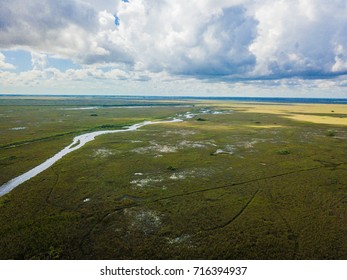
238,185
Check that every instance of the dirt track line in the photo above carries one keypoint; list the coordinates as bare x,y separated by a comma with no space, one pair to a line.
89,232
237,215
133,205
48,198
52,188
293,236
233,184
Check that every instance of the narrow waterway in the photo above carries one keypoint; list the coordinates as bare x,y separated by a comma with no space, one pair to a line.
78,142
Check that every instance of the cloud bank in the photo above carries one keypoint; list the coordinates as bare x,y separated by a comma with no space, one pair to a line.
227,40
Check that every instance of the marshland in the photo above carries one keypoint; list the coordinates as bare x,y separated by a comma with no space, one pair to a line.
231,180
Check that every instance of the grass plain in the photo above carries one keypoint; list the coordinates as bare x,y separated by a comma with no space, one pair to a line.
256,181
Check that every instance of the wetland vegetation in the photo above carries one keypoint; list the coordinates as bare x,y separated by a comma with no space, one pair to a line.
232,181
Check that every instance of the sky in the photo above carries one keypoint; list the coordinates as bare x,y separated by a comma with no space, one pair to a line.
283,48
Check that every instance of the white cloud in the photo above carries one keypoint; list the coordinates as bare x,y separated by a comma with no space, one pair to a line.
299,37
153,35
55,27
142,40
187,37
340,59
38,60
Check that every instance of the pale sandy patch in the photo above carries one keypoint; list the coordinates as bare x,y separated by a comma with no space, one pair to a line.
318,119
221,151
156,148
264,126
102,152
293,109
206,126
18,128
192,144
145,182
299,112
179,240
147,221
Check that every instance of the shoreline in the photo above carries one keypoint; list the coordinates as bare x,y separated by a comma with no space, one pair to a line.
243,99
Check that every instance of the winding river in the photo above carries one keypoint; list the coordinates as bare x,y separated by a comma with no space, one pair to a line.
78,142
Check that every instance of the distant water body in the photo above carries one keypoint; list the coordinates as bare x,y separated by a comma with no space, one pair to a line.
282,100
257,99
237,99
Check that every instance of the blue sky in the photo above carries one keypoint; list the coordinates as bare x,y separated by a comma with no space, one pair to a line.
286,48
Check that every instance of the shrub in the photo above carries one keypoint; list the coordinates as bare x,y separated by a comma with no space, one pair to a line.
171,168
283,152
331,133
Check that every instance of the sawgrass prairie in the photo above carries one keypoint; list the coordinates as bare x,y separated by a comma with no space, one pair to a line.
231,181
